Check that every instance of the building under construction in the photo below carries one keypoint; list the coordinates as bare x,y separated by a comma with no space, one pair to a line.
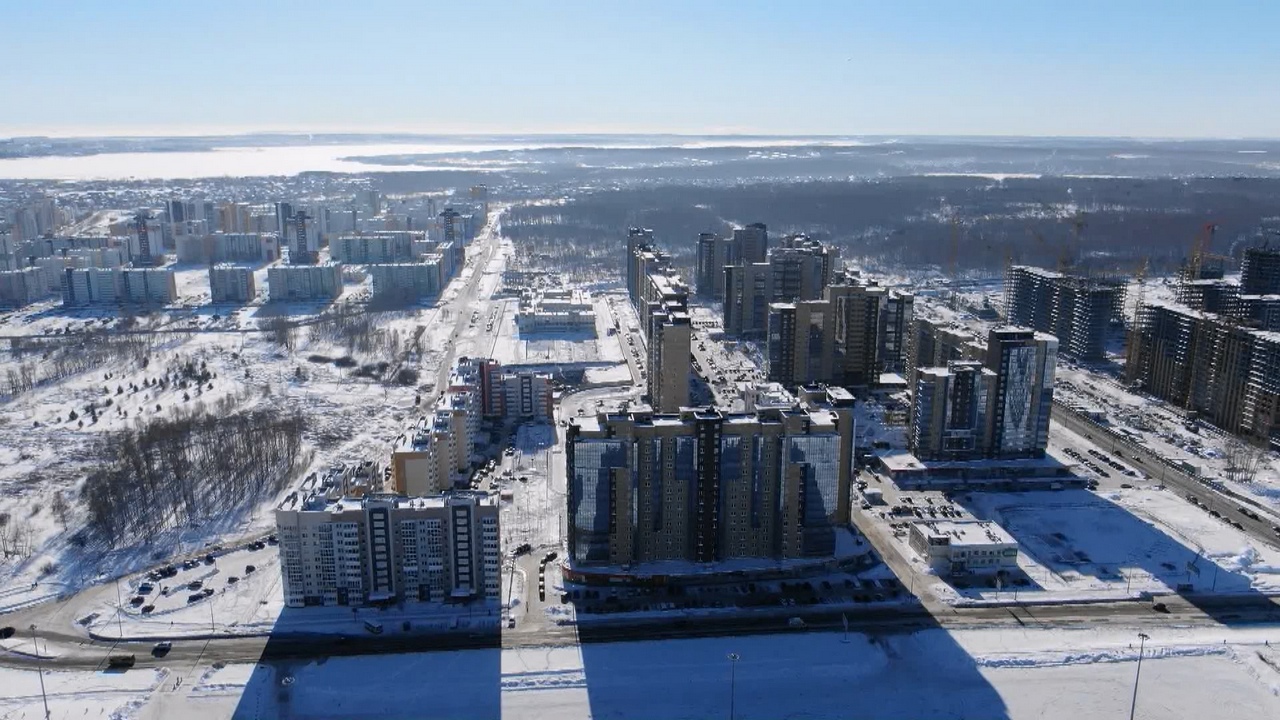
1217,367
1080,311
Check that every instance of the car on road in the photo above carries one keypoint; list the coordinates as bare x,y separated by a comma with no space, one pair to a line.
162,648
796,622
121,661
1160,607
7,632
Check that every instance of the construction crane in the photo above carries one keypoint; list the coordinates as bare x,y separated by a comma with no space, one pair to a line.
1199,252
1071,253
1133,342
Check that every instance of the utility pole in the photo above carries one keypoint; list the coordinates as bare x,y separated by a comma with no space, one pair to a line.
733,668
119,612
1142,641
40,669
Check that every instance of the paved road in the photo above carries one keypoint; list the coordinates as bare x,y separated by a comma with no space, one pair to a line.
891,619
483,248
1152,464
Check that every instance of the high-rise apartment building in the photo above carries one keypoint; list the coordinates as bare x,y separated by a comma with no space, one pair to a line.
1024,362
834,340
999,408
949,410
705,486
118,286
896,313
1260,271
752,242
304,282
798,270
231,284
715,253
1077,310
385,548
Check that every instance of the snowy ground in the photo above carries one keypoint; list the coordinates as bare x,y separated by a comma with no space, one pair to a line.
77,694
534,515
980,674
1163,430
45,450
1075,544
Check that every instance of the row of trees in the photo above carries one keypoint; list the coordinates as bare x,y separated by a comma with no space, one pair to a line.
177,471
42,360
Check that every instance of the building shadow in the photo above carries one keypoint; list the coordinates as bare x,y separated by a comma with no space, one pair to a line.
894,663
1106,551
422,671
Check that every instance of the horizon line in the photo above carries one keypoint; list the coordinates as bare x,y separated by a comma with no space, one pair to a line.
12,135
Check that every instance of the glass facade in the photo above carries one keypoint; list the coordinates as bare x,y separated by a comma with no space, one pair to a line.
593,463
819,458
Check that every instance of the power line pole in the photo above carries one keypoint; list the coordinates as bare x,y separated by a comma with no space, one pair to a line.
1142,641
40,669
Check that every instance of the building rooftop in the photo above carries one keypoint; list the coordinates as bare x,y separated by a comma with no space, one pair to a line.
971,532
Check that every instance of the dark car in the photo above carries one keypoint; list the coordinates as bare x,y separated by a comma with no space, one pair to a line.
7,632
248,569
121,661
1160,607
195,585
148,609
162,648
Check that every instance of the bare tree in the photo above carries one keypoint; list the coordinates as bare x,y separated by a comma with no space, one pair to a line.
1243,460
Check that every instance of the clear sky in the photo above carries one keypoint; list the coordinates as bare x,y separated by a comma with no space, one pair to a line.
1148,68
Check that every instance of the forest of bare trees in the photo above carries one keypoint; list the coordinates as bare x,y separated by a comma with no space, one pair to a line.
176,471
34,361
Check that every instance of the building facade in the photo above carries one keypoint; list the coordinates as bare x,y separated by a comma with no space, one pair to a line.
232,284
704,486
387,548
304,282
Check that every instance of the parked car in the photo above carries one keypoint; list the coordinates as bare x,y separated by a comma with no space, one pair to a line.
121,661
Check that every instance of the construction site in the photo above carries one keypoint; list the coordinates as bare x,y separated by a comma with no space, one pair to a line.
1215,352
1081,311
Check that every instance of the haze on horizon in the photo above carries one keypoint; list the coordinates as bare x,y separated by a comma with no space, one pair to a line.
814,67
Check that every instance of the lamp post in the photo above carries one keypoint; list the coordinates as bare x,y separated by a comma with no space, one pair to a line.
40,670
733,667
1142,641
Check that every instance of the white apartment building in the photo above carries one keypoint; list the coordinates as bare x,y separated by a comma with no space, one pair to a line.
386,548
405,281
231,284
962,547
229,247
422,462
385,246
118,286
304,282
22,287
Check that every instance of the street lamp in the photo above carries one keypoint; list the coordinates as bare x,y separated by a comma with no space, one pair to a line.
733,667
1142,642
40,669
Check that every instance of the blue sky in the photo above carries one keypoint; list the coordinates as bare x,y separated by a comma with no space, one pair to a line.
988,67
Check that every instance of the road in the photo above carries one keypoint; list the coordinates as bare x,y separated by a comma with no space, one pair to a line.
1228,506
89,655
486,243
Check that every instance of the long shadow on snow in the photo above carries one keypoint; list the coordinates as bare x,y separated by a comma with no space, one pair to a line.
1080,532
686,669
424,673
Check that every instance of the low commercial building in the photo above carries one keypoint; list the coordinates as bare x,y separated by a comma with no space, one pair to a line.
959,547
557,311
386,548
304,282
231,284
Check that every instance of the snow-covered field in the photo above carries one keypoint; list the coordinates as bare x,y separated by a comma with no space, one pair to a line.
980,674
1075,544
48,434
77,694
